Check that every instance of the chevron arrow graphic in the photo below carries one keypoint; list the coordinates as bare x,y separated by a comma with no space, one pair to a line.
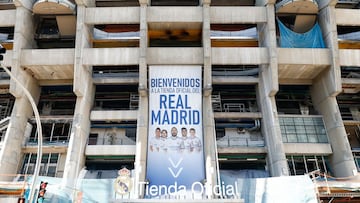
177,164
177,173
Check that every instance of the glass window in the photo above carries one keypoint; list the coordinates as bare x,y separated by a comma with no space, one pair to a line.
48,165
303,130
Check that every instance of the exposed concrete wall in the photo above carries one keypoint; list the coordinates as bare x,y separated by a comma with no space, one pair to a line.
143,118
243,55
251,15
209,134
159,14
114,15
84,90
328,27
179,55
267,88
342,160
10,155
110,56
323,93
7,18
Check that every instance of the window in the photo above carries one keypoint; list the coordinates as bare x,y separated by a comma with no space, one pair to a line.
303,130
299,165
48,165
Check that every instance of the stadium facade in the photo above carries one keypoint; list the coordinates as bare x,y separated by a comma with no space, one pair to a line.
268,86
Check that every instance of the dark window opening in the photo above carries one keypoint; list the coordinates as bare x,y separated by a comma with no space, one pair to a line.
234,70
174,2
292,99
54,132
349,105
113,133
116,3
232,3
175,38
234,98
300,165
50,35
48,167
116,97
348,37
116,71
241,162
57,100
233,35
116,35
348,4
99,167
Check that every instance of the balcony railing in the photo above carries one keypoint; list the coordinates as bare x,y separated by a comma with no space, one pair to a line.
232,141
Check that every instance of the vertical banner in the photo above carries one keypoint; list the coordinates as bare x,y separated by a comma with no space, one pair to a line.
175,157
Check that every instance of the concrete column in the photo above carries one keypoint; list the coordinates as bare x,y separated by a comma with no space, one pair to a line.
209,134
10,154
84,90
324,91
143,118
331,76
342,161
267,88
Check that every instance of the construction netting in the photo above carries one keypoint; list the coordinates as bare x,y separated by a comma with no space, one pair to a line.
252,186
255,187
310,39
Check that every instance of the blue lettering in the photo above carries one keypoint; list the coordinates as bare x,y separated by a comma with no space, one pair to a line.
155,118
162,101
174,117
186,102
171,101
183,114
196,117
165,119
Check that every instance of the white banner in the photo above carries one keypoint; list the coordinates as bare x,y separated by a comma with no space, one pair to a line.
175,158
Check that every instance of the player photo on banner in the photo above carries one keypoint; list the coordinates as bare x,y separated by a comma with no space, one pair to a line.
175,157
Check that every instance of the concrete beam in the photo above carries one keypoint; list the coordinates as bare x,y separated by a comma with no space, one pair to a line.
7,18
349,57
163,14
110,150
347,17
110,56
250,56
97,115
234,80
245,15
320,57
112,15
307,149
179,56
30,57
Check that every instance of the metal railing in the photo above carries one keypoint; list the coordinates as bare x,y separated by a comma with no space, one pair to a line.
234,141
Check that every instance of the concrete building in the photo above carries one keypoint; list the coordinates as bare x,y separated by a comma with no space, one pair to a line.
286,111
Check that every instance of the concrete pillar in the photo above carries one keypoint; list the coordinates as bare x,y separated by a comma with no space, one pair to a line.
209,134
324,91
342,162
84,90
332,76
267,88
143,118
10,154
